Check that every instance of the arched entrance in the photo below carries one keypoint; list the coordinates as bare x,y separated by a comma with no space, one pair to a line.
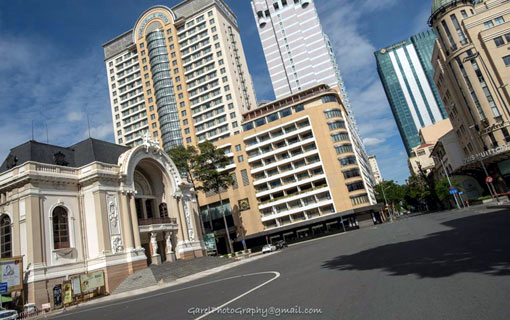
162,205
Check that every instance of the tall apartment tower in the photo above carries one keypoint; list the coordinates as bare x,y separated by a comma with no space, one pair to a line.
180,74
471,64
374,166
407,76
299,56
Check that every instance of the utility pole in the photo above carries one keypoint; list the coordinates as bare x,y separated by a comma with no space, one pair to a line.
449,181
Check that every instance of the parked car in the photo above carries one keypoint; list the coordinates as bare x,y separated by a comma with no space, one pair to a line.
281,244
8,314
268,248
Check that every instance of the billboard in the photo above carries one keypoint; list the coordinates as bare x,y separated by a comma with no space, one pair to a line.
91,281
11,272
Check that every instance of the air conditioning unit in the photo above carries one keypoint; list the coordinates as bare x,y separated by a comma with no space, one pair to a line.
305,3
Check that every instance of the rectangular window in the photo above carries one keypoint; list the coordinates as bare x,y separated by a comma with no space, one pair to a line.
285,112
333,125
506,134
499,20
333,113
244,176
463,13
299,107
449,35
460,33
499,41
329,98
488,24
506,60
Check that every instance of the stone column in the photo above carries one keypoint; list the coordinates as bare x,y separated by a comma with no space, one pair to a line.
127,225
170,255
144,208
134,220
156,257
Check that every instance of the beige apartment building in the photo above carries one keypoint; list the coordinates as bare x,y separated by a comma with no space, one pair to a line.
296,174
471,62
180,74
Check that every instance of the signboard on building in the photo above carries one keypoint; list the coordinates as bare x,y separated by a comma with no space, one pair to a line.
487,154
210,242
11,272
244,204
91,281
68,293
76,286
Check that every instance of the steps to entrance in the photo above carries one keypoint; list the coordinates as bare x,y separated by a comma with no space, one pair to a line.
168,272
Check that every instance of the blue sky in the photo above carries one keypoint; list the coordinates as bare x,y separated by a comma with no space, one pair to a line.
52,70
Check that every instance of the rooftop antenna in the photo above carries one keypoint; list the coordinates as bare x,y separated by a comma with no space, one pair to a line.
46,125
32,130
47,136
88,123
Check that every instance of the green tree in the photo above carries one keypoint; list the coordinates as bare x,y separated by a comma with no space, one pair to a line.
394,194
185,159
443,190
207,163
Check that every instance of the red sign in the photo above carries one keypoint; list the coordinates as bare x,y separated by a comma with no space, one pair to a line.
489,179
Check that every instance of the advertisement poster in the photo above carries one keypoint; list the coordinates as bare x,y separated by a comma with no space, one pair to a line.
11,271
210,242
57,295
91,281
76,286
68,293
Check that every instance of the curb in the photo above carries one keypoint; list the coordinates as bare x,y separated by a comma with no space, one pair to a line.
159,286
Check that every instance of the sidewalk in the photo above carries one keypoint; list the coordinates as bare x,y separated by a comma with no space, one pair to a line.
171,280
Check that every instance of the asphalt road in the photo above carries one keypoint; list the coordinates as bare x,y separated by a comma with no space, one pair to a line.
449,265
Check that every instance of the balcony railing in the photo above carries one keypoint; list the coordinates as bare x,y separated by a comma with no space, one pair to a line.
148,222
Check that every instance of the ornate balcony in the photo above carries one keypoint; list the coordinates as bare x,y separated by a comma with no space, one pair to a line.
157,224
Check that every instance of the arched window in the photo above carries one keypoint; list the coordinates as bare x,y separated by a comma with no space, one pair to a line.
5,237
163,210
60,228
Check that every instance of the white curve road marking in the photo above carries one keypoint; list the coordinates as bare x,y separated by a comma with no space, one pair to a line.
277,275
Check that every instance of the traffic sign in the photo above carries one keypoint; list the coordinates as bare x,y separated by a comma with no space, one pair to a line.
461,193
3,287
454,191
452,188
489,179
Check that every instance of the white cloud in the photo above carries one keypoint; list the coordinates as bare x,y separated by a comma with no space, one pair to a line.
373,141
75,116
102,131
41,84
343,22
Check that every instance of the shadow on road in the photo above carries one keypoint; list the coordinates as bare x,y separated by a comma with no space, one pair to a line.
477,243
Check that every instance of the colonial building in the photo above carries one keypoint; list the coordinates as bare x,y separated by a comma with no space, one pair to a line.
471,64
93,206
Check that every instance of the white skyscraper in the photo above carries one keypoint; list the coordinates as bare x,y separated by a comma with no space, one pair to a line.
299,55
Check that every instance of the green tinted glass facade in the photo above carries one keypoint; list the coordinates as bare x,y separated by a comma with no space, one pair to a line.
407,77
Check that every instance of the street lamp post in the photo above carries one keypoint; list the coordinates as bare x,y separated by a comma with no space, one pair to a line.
448,178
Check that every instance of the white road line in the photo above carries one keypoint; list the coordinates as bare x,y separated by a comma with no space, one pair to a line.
277,275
